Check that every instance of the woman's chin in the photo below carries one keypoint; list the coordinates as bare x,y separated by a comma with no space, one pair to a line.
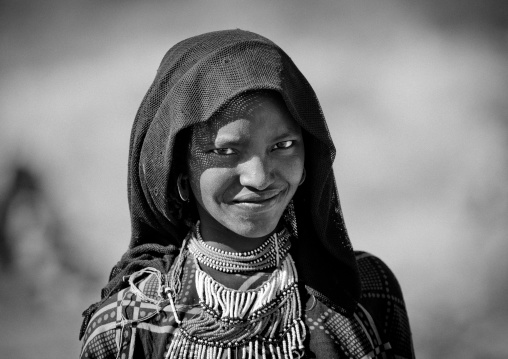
252,229
248,224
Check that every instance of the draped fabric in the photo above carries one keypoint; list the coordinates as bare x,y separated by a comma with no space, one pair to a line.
126,326
353,304
196,78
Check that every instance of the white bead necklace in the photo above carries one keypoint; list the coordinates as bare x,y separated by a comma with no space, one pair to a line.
257,323
268,255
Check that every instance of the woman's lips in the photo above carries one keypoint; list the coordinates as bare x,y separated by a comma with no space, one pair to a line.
256,196
256,200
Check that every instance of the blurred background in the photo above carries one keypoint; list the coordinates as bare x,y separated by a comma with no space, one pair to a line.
416,98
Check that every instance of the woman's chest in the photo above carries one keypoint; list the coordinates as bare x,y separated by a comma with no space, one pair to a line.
193,326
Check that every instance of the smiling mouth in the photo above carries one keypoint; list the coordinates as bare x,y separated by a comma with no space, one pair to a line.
254,204
257,198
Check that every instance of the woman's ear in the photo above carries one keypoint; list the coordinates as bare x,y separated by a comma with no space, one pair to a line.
182,184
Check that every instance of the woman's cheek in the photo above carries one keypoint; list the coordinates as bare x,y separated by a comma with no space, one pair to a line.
216,185
198,163
292,169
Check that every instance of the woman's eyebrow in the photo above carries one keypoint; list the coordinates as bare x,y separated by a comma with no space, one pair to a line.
232,140
229,140
286,135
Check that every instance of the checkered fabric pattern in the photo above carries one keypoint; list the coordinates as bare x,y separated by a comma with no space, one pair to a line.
377,329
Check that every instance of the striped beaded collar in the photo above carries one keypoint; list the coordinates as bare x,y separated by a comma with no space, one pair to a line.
268,255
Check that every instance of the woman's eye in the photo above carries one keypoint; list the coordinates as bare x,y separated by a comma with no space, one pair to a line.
283,144
223,151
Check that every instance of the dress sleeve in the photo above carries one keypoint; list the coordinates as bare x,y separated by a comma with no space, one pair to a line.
382,297
100,337
101,346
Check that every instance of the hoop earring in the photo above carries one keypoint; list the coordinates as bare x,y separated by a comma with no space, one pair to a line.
304,175
183,189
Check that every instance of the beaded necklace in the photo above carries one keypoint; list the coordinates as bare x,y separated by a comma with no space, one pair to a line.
268,255
256,323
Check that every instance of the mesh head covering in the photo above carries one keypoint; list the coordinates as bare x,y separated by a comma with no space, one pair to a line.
196,78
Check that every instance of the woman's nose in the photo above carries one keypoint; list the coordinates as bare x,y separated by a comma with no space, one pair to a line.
256,173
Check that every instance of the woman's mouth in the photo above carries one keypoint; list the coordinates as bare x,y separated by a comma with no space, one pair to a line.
257,200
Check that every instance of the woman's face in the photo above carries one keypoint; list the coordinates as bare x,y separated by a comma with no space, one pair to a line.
246,164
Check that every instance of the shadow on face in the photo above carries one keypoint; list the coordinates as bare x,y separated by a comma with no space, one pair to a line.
245,164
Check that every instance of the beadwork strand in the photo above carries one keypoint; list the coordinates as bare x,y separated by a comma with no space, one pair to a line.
256,323
268,255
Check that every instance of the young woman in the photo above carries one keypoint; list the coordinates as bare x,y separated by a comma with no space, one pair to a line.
238,247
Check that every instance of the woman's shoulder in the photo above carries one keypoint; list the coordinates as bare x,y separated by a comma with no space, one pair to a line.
115,315
376,278
100,332
382,299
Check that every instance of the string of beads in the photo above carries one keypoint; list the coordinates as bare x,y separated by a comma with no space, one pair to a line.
256,323
268,255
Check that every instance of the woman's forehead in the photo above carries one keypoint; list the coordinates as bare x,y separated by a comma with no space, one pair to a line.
248,106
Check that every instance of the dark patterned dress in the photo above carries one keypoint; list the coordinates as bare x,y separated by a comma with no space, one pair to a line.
129,325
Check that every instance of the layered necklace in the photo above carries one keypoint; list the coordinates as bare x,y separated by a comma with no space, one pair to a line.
268,255
265,322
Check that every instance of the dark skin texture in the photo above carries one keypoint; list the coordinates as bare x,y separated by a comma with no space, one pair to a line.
244,166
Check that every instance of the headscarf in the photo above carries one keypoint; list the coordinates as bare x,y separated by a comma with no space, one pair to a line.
196,78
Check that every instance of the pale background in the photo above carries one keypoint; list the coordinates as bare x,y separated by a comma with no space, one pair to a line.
416,97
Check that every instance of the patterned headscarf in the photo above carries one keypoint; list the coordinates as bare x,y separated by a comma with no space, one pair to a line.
197,77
